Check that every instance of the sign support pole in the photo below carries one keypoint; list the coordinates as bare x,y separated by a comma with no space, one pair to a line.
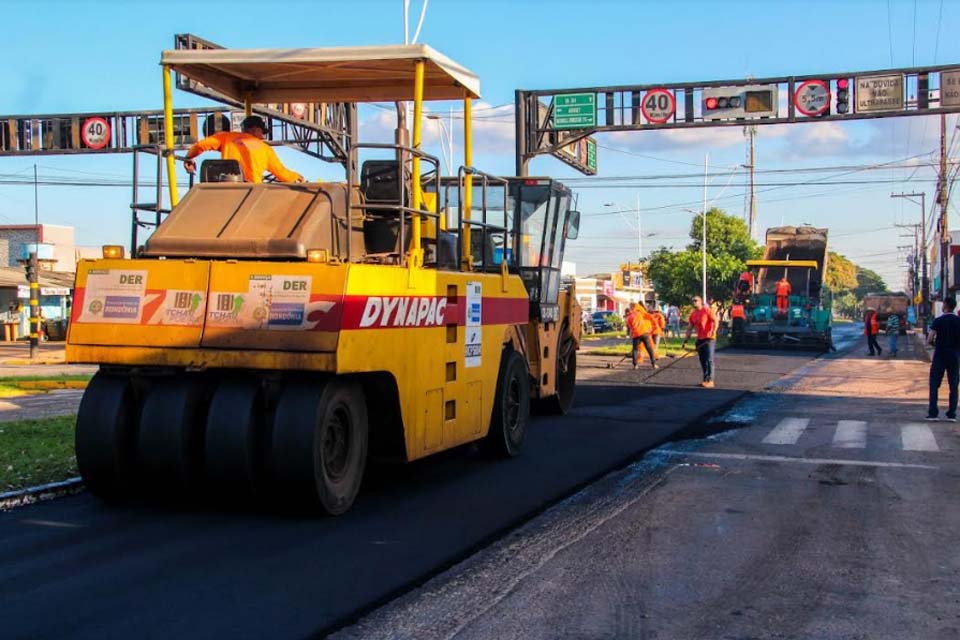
34,304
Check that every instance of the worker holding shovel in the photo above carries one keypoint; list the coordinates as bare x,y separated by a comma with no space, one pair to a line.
705,322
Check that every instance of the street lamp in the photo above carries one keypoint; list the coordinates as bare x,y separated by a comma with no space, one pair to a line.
703,251
639,227
446,137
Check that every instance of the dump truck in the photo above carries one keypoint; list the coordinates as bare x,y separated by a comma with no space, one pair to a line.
886,305
267,339
800,319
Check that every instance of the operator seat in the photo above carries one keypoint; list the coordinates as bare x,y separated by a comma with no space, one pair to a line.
214,170
380,185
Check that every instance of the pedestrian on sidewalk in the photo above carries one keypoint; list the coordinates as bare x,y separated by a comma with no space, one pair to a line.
893,332
705,322
944,334
871,327
640,325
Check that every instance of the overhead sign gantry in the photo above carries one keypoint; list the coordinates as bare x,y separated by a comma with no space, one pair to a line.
551,120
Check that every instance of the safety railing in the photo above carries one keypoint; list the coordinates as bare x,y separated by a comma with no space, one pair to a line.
401,209
465,227
155,209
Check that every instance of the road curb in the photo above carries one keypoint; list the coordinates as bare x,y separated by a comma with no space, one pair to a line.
40,493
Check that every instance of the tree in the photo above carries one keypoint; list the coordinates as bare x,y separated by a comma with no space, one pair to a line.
676,275
841,273
868,282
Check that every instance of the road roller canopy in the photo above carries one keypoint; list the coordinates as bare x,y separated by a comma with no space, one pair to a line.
333,74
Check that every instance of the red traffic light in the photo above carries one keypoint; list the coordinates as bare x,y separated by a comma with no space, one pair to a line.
711,103
843,83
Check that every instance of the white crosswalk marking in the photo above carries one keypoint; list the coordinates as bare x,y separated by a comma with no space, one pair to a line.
788,431
850,434
918,437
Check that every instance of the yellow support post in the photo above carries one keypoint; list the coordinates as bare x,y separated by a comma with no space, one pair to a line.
168,135
247,106
467,182
416,253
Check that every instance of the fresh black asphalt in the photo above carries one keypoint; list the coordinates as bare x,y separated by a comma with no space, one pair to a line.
76,568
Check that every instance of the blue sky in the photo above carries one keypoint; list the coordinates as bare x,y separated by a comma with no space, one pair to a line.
88,56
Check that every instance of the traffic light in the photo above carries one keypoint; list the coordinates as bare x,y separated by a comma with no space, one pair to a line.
843,95
743,102
31,273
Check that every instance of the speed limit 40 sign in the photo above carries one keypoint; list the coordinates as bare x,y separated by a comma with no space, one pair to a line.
658,105
95,133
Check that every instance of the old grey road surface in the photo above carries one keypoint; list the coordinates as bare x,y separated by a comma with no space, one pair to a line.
832,514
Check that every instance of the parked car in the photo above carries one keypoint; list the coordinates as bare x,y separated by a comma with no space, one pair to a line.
604,321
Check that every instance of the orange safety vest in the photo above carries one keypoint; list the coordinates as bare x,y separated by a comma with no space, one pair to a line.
639,323
870,326
736,311
254,155
783,289
659,322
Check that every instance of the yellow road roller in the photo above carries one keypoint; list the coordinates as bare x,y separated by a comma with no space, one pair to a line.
267,339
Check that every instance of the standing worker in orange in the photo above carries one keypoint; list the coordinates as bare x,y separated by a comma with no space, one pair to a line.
640,325
659,325
871,327
705,322
783,295
248,148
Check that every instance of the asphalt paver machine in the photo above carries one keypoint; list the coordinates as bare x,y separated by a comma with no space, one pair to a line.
268,338
798,254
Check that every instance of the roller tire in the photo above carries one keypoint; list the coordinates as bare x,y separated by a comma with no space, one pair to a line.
235,438
319,443
106,435
560,403
171,435
511,407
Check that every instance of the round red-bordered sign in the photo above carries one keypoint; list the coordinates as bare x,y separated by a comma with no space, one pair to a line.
812,98
658,105
95,133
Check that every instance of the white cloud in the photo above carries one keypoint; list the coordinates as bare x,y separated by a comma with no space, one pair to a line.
493,129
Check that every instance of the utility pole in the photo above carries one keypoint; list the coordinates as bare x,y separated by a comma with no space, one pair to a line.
942,201
751,133
924,280
703,243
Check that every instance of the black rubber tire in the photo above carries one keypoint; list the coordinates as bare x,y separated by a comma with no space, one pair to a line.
106,435
171,435
511,407
235,437
738,327
561,402
319,445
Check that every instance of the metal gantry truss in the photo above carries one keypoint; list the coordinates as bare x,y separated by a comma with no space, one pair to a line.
619,108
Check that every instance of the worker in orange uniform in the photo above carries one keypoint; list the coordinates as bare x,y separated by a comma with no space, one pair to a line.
871,327
705,322
659,325
783,295
248,148
640,325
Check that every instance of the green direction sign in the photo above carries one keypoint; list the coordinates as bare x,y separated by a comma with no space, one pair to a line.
575,111
592,154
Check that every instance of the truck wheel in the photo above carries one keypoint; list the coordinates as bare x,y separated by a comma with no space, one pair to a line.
170,440
560,403
235,437
511,407
106,436
319,445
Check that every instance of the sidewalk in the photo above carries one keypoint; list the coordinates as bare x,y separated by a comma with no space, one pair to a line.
15,361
